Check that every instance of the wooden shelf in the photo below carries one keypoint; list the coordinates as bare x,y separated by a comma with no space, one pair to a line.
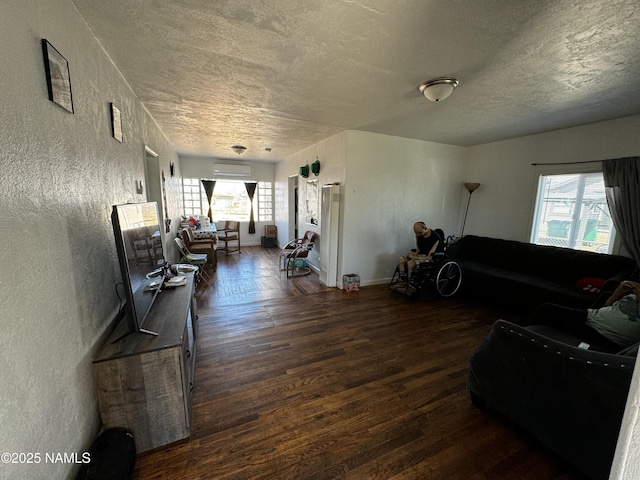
144,382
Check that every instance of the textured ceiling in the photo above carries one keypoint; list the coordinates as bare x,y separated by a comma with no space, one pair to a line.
285,74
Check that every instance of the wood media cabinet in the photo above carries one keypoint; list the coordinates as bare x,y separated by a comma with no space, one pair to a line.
144,383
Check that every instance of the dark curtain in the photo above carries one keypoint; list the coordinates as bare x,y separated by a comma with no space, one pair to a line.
209,185
622,187
251,190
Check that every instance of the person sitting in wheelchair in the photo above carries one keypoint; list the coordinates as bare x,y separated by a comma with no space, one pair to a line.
427,243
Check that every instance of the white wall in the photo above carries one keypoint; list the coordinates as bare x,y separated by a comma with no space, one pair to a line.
388,184
626,462
193,166
503,205
61,173
391,183
332,156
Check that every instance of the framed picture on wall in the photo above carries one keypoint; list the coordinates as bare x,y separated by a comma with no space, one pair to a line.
58,77
116,123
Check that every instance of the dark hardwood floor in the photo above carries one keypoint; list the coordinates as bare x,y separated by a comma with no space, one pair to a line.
298,381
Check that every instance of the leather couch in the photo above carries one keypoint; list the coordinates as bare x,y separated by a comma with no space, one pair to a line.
569,398
526,275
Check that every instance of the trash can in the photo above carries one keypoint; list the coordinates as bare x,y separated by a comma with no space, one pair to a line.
269,242
351,282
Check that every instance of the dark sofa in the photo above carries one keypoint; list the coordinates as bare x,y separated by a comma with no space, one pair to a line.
570,399
526,275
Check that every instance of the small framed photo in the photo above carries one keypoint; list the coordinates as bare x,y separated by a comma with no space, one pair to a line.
58,78
116,123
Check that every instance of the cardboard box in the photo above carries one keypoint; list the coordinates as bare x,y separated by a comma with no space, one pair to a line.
351,282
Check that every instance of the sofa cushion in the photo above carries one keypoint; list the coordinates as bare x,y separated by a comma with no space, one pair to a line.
520,289
631,351
525,274
570,399
540,260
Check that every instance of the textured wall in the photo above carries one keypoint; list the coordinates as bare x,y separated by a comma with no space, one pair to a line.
61,173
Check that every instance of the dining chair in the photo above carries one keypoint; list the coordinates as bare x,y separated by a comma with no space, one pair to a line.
230,233
293,256
197,259
208,245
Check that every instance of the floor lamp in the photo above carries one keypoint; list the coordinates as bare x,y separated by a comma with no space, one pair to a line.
471,187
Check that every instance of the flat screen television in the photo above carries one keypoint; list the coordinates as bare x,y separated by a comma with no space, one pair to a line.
136,227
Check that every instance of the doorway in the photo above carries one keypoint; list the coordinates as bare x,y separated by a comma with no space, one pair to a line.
152,177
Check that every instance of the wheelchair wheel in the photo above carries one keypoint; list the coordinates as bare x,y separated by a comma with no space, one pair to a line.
448,279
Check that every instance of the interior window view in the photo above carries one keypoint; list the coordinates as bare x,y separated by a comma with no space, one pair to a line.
295,240
230,200
572,212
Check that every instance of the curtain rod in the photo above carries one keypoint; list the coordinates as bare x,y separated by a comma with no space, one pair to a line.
568,163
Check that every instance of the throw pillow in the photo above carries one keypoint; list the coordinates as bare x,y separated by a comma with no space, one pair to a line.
590,284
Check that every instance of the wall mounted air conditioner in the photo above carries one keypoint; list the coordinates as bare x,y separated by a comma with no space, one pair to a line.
229,170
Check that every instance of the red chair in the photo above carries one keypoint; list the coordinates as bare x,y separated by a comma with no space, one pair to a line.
294,254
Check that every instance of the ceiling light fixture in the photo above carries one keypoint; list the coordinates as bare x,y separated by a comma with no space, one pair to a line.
239,149
438,88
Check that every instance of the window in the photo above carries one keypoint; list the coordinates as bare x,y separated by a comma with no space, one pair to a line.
265,201
571,211
230,200
193,197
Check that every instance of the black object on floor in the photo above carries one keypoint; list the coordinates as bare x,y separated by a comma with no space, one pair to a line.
112,457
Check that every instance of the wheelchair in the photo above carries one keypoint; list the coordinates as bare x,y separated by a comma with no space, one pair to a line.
441,272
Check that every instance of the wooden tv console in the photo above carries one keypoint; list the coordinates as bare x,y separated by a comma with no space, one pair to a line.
144,383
